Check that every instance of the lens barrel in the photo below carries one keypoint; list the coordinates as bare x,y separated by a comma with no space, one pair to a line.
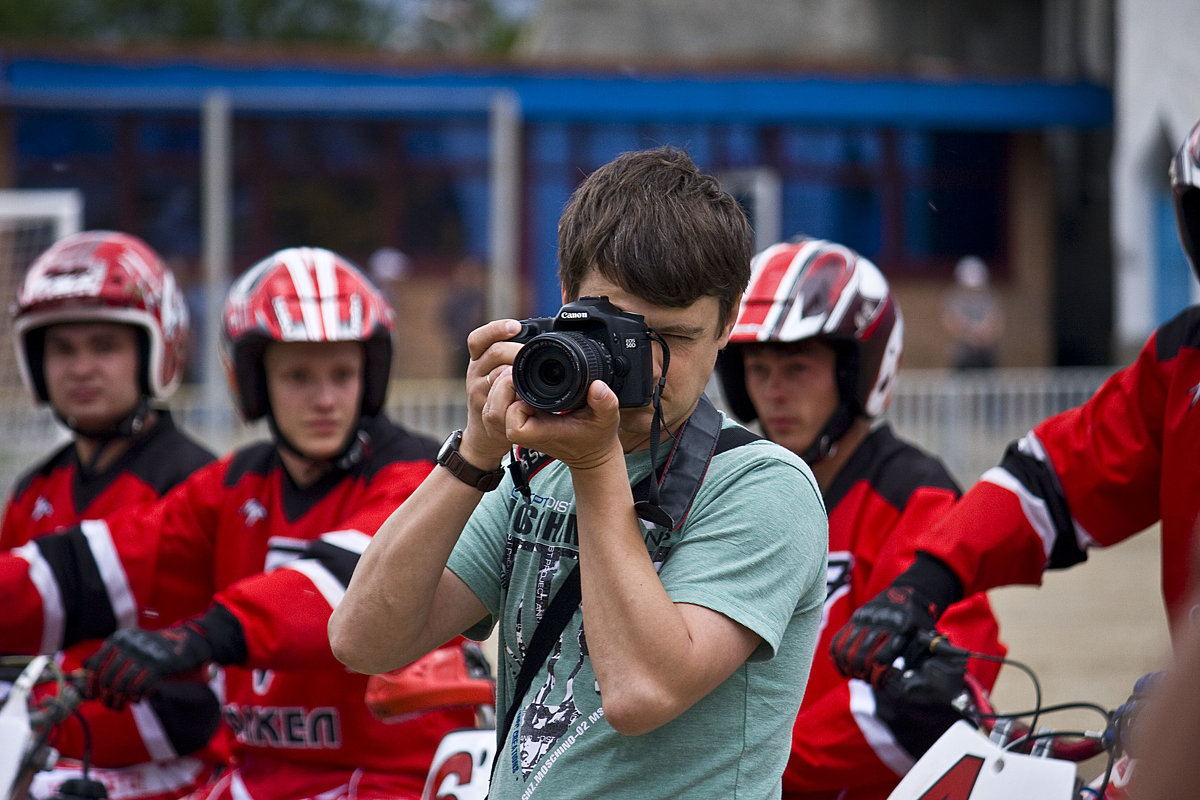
553,370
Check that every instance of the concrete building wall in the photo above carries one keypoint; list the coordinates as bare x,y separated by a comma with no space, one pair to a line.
1157,98
921,35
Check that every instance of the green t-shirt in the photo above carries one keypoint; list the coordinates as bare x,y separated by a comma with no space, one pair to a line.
753,547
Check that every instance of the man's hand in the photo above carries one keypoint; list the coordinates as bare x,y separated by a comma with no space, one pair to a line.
490,391
132,662
886,627
880,631
916,705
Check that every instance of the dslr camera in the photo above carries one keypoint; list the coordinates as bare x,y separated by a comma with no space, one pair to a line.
590,339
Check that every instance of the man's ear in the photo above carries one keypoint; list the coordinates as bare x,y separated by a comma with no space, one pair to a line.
727,331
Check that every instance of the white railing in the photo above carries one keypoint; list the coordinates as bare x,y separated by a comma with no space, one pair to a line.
969,418
965,419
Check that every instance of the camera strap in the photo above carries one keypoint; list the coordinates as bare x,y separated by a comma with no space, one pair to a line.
667,497
700,438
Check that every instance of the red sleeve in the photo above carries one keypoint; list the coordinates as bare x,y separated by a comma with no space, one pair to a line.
23,620
10,537
1108,452
177,581
1086,476
284,617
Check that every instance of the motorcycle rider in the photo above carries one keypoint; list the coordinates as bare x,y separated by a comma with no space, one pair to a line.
251,553
100,330
814,356
1091,476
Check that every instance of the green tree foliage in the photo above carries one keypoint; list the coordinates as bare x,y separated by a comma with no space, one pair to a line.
416,25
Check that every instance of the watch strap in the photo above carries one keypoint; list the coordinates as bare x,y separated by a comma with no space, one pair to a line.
451,459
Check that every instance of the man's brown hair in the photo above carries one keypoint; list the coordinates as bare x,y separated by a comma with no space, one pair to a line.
652,223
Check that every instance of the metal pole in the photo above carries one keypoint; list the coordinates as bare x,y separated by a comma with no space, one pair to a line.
217,171
505,205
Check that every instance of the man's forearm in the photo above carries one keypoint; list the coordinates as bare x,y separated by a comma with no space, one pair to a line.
388,617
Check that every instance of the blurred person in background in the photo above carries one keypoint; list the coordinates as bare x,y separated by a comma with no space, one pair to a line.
250,554
813,357
100,330
464,310
1091,476
972,316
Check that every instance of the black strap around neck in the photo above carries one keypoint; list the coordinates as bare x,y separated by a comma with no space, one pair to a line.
700,438
545,636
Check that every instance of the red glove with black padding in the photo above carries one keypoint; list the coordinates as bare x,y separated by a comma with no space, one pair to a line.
886,627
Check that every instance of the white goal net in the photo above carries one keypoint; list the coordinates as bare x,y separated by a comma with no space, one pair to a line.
30,221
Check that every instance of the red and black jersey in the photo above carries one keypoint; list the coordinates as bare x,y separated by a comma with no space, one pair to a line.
58,494
886,493
1094,476
240,532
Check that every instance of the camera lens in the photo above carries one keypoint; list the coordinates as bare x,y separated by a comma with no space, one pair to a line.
553,370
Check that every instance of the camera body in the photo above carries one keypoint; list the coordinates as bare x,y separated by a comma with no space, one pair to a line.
590,339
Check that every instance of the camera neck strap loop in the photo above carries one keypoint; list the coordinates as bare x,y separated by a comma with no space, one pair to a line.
669,494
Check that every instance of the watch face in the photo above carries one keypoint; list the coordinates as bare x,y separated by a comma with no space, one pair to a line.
449,446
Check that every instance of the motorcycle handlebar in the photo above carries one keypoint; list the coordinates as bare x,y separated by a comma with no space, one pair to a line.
938,673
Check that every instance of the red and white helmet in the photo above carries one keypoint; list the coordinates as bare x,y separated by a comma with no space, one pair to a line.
818,289
304,294
1185,187
103,276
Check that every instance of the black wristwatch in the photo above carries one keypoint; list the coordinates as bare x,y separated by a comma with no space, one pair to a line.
452,460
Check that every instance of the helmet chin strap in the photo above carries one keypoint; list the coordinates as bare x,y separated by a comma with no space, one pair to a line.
353,450
130,426
827,440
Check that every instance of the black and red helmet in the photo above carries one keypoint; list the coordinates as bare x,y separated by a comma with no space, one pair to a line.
103,276
1185,188
304,294
818,289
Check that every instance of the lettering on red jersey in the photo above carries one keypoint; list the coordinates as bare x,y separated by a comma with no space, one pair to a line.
286,726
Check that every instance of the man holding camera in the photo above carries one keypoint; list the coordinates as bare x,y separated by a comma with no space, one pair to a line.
683,657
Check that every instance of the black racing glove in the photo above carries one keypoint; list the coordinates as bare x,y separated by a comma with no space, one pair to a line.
133,662
1123,725
916,704
887,626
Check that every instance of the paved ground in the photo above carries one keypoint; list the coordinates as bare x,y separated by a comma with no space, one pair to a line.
1089,632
